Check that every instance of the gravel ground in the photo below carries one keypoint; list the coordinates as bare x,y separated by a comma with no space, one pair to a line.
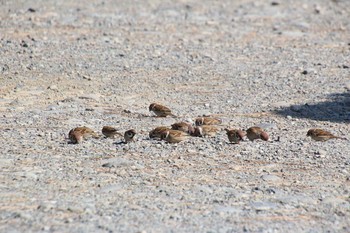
282,66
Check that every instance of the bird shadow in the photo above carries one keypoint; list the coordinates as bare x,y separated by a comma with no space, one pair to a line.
119,143
335,109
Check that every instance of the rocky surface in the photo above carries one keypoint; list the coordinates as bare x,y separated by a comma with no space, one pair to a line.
282,66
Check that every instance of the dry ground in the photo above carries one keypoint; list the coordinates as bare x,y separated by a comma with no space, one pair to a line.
282,65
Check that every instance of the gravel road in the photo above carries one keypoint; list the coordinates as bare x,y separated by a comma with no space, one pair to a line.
282,66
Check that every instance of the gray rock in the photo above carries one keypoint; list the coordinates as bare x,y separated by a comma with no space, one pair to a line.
112,188
5,163
297,200
263,206
321,153
267,125
100,57
271,178
95,97
333,201
228,209
53,87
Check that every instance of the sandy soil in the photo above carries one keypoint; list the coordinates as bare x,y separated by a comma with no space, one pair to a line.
284,67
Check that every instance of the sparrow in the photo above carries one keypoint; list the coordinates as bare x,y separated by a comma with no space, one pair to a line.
160,110
321,135
157,132
257,133
207,121
110,132
174,136
183,126
235,135
129,135
205,130
77,135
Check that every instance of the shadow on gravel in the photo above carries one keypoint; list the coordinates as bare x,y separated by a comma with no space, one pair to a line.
337,109
119,143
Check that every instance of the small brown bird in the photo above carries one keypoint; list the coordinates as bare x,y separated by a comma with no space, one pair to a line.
174,136
110,132
235,135
160,110
129,135
205,130
183,126
207,121
321,135
78,134
157,132
257,133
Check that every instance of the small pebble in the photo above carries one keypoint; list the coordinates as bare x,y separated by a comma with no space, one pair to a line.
271,178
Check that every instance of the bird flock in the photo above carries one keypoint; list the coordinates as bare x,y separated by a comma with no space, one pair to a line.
180,131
